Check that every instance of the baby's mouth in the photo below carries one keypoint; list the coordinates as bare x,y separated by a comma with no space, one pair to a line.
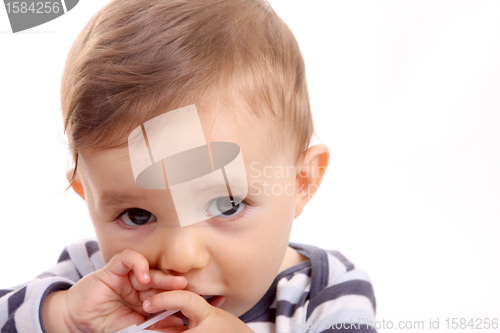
208,298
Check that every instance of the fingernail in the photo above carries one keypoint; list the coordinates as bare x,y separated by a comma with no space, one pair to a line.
146,276
147,303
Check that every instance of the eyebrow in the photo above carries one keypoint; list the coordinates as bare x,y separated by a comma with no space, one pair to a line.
237,187
112,199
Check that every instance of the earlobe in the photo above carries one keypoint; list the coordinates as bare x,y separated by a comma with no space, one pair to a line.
310,172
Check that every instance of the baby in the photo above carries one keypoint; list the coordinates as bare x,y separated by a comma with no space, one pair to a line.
234,67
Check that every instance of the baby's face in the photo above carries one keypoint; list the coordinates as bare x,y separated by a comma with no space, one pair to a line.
237,254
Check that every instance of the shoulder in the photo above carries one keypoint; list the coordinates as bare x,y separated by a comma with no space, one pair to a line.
85,253
21,305
80,258
326,287
339,290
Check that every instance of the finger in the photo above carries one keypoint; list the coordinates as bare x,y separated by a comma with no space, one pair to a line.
192,305
144,295
171,324
128,260
174,329
159,280
170,321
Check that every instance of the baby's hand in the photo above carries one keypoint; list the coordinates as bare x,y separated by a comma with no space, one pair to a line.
109,299
203,317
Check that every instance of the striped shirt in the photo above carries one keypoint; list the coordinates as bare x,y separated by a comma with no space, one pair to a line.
326,293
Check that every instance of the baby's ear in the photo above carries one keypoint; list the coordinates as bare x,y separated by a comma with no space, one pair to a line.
76,185
310,170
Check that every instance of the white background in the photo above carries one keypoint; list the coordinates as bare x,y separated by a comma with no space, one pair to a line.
405,94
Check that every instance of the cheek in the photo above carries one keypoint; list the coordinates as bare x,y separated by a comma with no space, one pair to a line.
279,219
115,240
103,235
281,210
258,251
108,244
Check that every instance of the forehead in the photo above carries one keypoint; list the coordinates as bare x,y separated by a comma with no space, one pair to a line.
237,124
115,167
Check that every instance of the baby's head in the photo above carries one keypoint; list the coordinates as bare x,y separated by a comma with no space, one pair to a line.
240,65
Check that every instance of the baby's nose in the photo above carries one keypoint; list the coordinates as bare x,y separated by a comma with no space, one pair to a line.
183,250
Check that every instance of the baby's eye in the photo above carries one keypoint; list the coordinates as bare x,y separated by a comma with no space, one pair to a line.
224,207
136,217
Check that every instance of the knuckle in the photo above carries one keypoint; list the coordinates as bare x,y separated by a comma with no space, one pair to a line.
142,260
135,257
190,299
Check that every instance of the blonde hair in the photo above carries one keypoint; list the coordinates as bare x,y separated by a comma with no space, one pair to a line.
136,58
